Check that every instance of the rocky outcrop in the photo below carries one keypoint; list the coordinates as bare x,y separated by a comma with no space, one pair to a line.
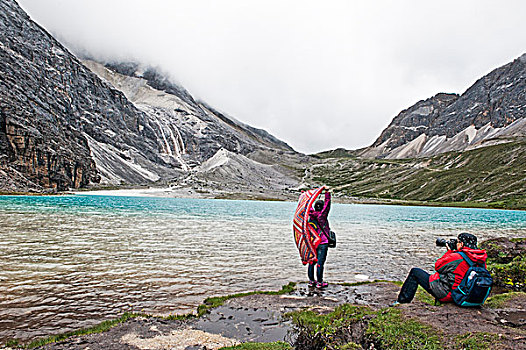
199,129
38,137
491,111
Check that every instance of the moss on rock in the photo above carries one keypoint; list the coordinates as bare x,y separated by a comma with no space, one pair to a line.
355,327
507,262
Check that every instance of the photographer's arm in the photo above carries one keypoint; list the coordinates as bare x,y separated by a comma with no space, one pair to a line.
444,260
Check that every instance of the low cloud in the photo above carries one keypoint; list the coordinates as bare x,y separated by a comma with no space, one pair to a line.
317,75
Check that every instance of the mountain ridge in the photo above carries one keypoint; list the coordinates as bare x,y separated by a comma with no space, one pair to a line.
493,176
490,111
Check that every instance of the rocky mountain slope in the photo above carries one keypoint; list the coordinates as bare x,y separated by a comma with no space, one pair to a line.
491,111
62,126
214,149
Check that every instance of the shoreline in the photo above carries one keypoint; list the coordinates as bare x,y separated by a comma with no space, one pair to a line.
268,316
362,309
182,192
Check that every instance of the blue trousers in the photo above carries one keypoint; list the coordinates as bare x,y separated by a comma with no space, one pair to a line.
322,256
415,278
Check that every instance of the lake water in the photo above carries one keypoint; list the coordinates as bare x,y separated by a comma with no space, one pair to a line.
69,262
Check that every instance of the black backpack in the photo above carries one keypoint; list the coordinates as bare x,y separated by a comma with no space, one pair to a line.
474,287
331,237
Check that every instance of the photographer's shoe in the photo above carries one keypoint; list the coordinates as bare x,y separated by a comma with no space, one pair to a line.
321,285
312,284
396,303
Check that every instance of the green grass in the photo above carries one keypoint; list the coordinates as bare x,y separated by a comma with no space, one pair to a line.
390,330
387,328
101,327
329,324
497,301
260,346
478,341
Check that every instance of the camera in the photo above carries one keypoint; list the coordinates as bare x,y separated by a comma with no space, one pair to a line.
451,244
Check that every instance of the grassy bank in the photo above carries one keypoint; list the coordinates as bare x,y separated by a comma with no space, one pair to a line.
489,177
101,327
359,327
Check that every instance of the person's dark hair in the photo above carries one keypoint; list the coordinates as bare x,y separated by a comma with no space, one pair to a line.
468,239
318,205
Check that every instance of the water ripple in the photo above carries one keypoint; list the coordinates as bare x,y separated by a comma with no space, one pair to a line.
73,261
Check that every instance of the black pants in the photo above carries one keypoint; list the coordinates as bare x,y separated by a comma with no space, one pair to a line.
416,277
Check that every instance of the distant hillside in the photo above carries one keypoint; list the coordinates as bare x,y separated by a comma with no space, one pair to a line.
491,111
493,175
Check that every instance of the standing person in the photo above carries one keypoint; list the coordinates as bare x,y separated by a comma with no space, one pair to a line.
450,270
318,216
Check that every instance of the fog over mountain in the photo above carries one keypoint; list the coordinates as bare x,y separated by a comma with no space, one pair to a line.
318,76
70,124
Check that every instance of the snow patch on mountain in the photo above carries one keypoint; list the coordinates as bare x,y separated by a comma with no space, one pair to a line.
411,149
221,158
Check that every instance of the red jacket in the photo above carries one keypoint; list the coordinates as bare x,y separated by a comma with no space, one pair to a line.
451,268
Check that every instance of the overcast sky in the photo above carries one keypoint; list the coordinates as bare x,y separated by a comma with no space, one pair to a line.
316,74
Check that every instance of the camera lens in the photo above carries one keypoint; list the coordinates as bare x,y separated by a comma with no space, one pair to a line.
441,242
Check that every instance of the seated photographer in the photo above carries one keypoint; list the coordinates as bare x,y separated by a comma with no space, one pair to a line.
450,270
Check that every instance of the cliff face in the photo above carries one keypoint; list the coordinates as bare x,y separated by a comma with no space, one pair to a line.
491,111
50,104
38,136
62,126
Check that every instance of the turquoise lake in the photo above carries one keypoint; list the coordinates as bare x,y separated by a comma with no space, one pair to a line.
68,262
